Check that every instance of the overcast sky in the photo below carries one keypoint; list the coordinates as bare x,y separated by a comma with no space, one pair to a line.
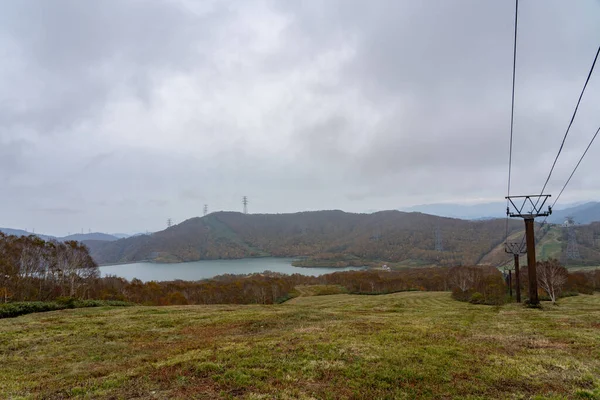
118,114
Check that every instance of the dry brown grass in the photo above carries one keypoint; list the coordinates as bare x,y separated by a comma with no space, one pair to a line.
403,345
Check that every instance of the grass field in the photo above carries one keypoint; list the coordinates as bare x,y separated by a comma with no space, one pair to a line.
550,246
405,345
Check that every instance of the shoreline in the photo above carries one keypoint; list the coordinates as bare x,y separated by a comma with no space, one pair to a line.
293,262
331,266
192,261
208,269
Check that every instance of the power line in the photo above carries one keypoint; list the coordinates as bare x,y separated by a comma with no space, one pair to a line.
512,108
564,139
572,173
572,119
512,119
576,166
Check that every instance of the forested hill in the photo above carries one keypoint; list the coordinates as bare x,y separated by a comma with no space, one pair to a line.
392,236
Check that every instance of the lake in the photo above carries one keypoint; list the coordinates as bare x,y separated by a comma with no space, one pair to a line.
196,270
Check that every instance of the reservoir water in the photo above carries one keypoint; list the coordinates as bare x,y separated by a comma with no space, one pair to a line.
196,270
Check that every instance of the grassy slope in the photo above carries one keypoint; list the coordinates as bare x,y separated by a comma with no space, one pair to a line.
498,255
550,245
404,345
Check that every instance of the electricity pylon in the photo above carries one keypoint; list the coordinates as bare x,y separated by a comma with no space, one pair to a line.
572,248
439,246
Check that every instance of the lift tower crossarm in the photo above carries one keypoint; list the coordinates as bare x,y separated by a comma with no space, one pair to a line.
536,208
516,249
529,217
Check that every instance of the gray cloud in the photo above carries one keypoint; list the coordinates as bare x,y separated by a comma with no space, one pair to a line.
79,55
131,112
59,211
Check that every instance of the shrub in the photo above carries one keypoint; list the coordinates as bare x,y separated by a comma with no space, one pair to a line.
477,298
570,293
15,309
459,295
68,302
11,310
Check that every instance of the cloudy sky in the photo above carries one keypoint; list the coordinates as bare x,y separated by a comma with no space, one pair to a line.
118,114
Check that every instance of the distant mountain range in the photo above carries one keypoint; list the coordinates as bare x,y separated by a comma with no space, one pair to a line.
473,212
394,236
121,235
404,238
80,237
582,213
20,232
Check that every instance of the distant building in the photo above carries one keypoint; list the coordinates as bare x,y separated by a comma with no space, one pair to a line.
385,267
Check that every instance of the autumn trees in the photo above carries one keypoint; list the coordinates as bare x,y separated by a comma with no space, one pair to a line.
266,288
34,269
477,284
485,285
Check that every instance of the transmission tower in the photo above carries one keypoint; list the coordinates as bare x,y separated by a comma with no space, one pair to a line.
245,203
438,239
572,248
169,222
376,234
205,209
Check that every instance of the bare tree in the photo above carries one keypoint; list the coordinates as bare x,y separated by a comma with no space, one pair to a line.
551,277
465,278
73,268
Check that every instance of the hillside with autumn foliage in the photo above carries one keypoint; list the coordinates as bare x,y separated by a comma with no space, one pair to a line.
392,236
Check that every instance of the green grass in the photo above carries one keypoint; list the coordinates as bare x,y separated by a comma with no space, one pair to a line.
319,290
550,245
399,346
